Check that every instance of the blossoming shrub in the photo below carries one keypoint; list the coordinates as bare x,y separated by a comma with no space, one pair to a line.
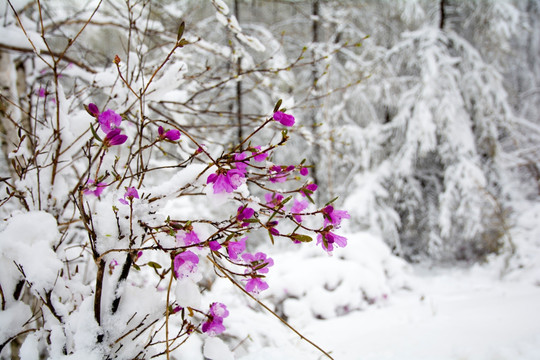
96,262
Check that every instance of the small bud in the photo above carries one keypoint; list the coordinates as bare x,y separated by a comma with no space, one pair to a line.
116,59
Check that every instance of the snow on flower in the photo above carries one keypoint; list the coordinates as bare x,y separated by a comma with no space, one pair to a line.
187,238
93,188
131,193
185,264
109,120
171,135
214,325
226,180
219,310
284,119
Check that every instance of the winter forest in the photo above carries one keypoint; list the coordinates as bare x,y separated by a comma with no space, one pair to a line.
270,179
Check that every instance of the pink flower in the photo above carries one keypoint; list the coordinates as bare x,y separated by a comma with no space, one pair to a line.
109,120
256,285
42,92
213,327
97,188
214,245
226,180
244,213
277,174
308,189
131,193
334,217
219,310
238,158
171,135
328,240
259,262
114,137
304,171
298,207
235,248
284,119
185,264
187,238
273,199
261,156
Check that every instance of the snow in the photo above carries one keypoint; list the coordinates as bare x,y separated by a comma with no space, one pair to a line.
457,314
216,349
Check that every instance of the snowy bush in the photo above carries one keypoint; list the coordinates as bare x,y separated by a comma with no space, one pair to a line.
118,214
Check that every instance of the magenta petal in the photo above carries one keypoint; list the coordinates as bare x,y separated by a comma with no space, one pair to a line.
93,109
118,140
284,119
173,135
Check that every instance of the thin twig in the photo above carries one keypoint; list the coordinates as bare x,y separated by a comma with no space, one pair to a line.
223,270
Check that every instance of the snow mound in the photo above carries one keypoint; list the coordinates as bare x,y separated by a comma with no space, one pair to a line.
305,285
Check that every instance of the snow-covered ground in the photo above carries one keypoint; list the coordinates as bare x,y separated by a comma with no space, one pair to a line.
460,313
453,314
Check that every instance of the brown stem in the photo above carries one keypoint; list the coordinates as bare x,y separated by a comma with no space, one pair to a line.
224,271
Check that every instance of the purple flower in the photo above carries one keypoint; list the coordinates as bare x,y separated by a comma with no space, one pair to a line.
259,156
304,171
273,199
42,92
259,262
284,119
235,248
213,327
109,120
131,193
334,217
214,245
328,240
256,285
97,188
93,109
244,213
187,238
298,207
219,310
238,158
277,174
308,189
226,180
185,264
171,135
114,137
